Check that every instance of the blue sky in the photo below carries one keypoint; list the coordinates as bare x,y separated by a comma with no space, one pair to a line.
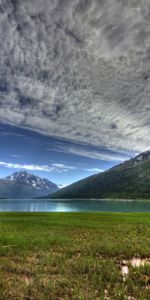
61,161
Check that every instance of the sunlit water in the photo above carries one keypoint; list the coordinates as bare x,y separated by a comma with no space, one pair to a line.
31,205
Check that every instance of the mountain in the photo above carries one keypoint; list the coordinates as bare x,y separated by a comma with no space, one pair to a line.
128,180
25,185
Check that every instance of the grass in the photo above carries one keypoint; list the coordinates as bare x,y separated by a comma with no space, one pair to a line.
73,256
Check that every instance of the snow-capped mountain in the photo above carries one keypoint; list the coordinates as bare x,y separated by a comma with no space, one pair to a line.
140,158
25,185
143,156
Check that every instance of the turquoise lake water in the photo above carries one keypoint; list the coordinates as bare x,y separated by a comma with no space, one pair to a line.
31,205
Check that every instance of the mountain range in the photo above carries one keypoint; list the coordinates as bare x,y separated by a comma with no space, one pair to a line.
25,185
129,180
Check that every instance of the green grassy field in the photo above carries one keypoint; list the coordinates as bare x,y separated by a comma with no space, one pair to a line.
73,256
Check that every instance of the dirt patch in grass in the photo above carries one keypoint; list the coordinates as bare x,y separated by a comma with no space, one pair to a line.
136,263
26,279
32,259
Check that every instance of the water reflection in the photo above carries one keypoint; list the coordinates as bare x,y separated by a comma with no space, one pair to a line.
31,205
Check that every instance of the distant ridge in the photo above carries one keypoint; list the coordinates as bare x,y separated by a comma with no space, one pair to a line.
129,180
25,185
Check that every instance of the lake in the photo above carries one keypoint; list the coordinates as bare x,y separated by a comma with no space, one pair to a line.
31,205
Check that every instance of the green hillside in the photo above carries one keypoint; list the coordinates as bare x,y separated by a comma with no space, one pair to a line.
129,180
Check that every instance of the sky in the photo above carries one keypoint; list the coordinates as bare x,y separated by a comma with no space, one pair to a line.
74,85
59,160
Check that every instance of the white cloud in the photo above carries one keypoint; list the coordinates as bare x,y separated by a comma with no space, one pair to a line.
45,168
32,167
78,70
91,152
94,170
26,167
64,167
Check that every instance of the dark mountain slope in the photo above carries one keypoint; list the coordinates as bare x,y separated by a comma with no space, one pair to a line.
25,185
129,180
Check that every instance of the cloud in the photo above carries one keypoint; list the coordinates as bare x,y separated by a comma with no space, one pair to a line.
64,167
26,167
94,170
77,69
45,168
32,167
93,152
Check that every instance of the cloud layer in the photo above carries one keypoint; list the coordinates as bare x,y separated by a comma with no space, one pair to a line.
33,167
91,152
77,69
47,168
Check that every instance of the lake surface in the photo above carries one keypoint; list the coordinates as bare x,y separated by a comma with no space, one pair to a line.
31,205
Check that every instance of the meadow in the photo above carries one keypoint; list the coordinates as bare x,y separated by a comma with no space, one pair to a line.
74,256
